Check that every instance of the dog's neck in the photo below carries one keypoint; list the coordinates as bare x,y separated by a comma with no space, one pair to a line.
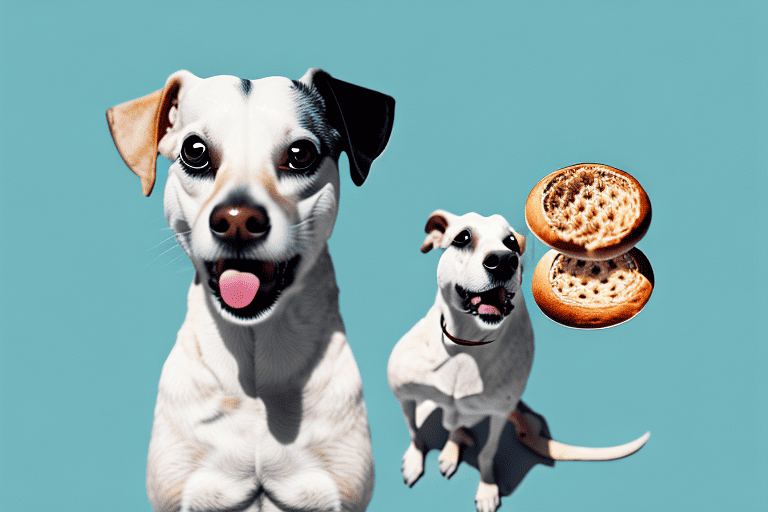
278,352
459,341
460,329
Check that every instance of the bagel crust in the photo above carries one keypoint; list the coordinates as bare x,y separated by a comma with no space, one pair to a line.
589,211
592,294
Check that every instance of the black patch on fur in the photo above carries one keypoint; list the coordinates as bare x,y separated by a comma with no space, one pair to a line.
304,88
311,110
245,85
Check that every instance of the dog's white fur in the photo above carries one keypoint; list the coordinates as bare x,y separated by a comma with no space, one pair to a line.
259,413
427,369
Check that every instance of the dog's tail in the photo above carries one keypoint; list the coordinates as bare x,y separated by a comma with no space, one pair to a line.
558,451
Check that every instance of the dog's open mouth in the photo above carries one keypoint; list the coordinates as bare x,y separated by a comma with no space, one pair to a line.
490,306
249,288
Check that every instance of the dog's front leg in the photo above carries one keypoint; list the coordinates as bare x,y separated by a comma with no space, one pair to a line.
487,498
305,489
210,489
449,456
413,459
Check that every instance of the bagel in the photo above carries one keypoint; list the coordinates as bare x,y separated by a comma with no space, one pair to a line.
592,294
589,211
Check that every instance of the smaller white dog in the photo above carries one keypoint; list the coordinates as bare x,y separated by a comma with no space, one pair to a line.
472,354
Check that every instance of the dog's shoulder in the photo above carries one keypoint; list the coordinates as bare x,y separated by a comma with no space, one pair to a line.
417,350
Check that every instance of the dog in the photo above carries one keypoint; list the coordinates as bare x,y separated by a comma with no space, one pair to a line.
260,404
472,353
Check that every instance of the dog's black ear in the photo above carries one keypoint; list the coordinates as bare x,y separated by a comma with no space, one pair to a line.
363,118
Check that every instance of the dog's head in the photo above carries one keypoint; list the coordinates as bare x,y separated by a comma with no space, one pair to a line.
253,189
480,270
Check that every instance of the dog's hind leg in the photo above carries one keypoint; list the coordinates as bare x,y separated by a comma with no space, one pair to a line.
449,456
413,459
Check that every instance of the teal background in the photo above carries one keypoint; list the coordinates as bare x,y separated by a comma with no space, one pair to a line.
490,98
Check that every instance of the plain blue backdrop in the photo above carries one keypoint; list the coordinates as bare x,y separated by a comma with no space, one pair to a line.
490,98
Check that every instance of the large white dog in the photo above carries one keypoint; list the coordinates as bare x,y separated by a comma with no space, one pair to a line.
260,405
472,353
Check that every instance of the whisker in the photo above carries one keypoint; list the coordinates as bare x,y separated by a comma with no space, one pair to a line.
303,222
174,259
172,237
175,246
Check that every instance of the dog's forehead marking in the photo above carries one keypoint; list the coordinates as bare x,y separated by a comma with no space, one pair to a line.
236,99
245,86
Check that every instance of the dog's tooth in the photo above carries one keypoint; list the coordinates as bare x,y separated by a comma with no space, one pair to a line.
476,300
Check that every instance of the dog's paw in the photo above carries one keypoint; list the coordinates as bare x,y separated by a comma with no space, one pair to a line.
449,459
487,498
413,465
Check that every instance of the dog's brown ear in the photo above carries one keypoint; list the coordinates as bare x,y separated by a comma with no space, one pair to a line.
435,229
138,125
520,241
363,117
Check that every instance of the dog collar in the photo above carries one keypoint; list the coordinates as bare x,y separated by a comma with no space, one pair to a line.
460,341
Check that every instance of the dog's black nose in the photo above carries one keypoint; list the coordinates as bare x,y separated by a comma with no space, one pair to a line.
239,223
501,265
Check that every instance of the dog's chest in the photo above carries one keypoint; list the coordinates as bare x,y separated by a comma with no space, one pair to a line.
500,373
257,442
202,401
458,376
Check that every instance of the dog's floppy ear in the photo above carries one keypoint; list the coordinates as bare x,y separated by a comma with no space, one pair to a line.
363,118
435,229
138,125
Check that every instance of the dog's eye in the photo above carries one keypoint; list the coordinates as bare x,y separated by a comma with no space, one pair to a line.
462,239
511,243
301,155
194,154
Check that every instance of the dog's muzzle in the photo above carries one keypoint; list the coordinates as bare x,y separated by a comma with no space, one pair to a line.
491,306
246,288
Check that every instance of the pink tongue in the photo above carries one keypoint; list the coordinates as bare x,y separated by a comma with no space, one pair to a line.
238,288
488,310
